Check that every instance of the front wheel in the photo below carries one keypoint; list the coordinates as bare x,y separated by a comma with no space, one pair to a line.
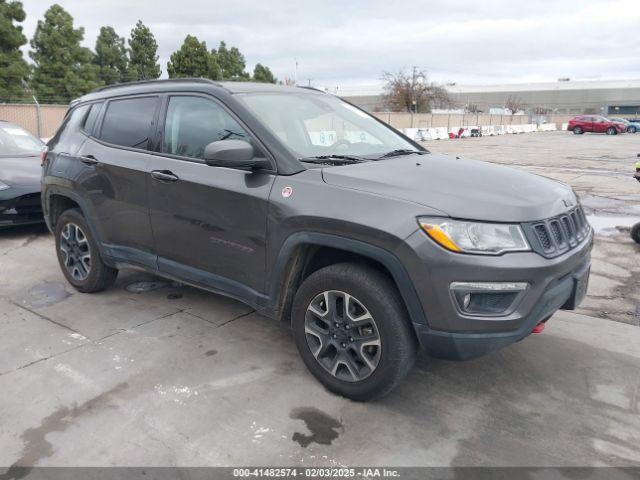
635,232
611,131
78,254
578,130
352,331
632,130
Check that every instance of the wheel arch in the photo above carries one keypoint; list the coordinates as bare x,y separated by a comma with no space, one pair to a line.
306,252
57,200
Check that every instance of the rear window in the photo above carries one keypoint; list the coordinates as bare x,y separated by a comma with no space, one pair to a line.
15,140
128,122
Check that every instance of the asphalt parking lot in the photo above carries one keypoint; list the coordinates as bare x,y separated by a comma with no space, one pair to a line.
176,376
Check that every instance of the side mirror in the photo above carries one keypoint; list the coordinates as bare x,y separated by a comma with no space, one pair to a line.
233,154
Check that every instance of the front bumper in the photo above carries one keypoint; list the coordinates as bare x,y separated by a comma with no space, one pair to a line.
453,335
20,205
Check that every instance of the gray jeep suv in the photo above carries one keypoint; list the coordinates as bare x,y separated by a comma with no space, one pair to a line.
315,213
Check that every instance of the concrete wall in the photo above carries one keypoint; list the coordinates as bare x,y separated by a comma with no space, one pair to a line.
428,120
27,117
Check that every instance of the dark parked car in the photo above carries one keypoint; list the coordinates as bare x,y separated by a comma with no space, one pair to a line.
315,213
20,174
595,124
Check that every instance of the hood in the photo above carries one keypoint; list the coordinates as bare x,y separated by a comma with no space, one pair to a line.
20,170
461,188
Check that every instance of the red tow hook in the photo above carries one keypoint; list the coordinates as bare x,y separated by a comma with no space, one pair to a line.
538,328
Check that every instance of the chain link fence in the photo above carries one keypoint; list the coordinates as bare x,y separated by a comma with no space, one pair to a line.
41,120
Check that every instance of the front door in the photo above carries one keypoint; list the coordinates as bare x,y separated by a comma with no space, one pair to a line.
209,223
600,125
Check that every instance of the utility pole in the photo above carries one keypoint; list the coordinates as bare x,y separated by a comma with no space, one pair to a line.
295,73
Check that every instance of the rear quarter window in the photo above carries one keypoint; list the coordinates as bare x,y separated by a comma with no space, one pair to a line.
92,117
128,122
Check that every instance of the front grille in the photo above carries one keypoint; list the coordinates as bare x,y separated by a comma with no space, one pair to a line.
557,235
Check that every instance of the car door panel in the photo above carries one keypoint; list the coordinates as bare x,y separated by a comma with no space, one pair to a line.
210,219
116,187
206,220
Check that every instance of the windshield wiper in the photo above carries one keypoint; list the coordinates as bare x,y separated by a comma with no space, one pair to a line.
402,151
335,159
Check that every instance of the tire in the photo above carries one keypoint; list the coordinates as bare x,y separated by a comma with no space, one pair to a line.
367,291
78,254
578,130
612,131
635,232
632,130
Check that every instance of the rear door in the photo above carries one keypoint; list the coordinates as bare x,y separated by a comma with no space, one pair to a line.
600,125
209,223
586,123
115,180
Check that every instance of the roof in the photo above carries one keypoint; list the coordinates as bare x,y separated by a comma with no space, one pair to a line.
192,84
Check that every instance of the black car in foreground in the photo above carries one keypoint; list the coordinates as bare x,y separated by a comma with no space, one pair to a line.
315,213
20,174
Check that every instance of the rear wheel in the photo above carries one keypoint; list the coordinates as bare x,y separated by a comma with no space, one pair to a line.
352,331
578,130
635,232
611,131
78,254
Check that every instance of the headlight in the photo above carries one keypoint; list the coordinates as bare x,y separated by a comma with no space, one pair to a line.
475,237
4,186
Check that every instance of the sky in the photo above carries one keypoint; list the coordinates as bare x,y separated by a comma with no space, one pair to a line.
351,42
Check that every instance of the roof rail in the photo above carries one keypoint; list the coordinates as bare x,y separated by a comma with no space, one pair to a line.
163,80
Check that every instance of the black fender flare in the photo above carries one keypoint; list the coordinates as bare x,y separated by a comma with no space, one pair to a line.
84,208
405,286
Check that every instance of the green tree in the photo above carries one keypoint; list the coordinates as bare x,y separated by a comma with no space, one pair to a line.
63,69
263,74
143,53
112,57
193,60
13,68
231,62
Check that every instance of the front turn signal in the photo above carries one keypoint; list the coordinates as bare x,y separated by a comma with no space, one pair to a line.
439,236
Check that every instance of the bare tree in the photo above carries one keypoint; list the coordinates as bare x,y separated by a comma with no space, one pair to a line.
514,104
412,92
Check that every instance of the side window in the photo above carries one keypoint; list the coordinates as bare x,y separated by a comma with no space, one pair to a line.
194,122
128,122
90,120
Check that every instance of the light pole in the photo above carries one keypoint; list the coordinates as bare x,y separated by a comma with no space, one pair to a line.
39,120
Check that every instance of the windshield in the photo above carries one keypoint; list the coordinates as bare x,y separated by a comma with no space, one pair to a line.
321,125
16,141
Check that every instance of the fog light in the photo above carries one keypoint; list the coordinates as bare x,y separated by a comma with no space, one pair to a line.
487,298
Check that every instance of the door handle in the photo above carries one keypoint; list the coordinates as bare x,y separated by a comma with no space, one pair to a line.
164,175
89,160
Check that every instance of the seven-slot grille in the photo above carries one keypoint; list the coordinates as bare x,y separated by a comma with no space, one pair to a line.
558,234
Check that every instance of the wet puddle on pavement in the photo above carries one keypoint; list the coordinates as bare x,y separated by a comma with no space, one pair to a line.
46,294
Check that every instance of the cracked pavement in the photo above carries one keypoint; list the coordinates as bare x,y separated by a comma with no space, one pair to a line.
175,376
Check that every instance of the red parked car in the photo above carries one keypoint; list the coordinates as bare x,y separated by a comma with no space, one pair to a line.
595,124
